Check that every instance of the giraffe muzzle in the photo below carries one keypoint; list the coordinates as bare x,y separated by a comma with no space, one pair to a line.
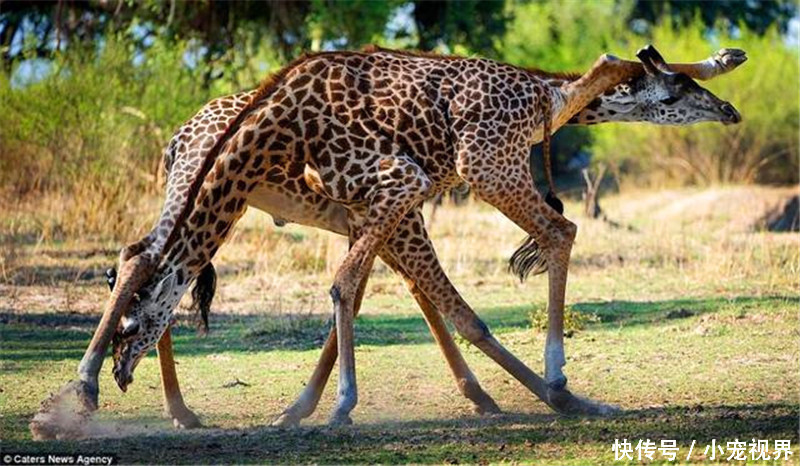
731,116
123,369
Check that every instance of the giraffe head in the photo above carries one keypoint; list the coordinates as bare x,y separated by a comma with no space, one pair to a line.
144,323
659,96
147,317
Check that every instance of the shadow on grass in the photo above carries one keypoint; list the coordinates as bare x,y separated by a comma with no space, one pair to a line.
650,312
34,337
509,437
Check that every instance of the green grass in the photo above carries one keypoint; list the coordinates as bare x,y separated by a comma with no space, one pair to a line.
690,354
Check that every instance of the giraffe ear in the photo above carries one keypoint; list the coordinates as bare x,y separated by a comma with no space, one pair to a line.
644,56
164,288
657,60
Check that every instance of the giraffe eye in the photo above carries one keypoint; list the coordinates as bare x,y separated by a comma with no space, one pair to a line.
670,100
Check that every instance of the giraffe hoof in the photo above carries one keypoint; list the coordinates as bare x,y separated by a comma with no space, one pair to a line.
186,419
730,58
565,403
486,407
558,384
486,410
340,420
286,420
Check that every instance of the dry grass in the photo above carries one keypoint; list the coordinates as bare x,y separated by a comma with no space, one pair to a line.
701,241
692,330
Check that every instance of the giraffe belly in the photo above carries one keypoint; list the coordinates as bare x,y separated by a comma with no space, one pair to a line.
309,209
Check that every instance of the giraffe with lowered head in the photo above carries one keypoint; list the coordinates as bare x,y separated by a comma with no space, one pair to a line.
350,179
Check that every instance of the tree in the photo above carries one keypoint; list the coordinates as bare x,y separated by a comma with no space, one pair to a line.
473,24
757,15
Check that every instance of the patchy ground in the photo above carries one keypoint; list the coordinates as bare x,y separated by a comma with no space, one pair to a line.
693,331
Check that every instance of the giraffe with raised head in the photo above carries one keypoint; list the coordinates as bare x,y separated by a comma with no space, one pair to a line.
346,183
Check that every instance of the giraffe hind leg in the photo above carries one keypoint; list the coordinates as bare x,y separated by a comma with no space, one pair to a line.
554,236
408,247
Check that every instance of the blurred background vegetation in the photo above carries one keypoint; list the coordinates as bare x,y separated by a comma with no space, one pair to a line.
92,91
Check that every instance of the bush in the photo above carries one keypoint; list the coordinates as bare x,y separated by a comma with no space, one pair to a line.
574,321
91,132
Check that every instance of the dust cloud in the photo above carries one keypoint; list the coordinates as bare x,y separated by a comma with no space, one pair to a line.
67,415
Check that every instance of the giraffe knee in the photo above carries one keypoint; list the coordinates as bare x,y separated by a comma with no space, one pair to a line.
570,230
475,331
336,295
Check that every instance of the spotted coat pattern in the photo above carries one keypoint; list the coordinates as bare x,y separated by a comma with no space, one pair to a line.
376,133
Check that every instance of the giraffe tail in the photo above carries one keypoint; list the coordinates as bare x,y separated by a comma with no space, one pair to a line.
205,287
528,259
551,199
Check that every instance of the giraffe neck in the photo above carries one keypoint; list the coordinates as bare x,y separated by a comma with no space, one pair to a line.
606,74
185,261
192,251
614,106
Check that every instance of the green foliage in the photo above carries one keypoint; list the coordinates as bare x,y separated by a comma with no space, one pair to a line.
467,26
553,38
354,23
756,15
95,126
574,320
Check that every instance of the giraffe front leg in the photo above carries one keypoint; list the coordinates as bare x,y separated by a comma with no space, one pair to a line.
723,61
401,185
174,406
308,400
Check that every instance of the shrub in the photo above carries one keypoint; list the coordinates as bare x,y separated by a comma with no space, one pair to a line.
90,133
574,321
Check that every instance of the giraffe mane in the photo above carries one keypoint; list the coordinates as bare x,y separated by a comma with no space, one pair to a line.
562,75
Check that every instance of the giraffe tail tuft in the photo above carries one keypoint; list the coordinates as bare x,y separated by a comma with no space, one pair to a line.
527,259
553,201
205,287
